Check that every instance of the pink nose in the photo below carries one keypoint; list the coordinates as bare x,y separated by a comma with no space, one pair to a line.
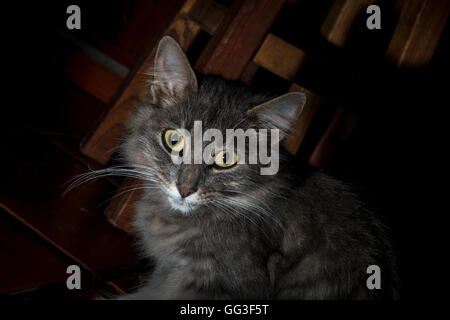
184,192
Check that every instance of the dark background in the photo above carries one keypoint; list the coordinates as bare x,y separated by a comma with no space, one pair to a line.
393,154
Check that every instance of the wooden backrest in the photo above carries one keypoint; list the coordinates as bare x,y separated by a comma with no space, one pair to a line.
241,44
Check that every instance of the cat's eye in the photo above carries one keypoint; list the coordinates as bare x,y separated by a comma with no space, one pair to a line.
174,140
225,159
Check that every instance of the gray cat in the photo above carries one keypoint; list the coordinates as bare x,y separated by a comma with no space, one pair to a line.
229,232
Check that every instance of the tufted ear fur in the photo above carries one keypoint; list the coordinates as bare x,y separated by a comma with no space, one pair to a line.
173,77
280,113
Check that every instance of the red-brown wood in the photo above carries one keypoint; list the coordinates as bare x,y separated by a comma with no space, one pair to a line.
70,117
238,38
26,261
418,32
149,19
338,132
249,72
412,45
92,76
31,191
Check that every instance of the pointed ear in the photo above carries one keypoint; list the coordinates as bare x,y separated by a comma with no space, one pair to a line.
279,113
173,77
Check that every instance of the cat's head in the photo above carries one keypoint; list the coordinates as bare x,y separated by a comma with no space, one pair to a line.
177,101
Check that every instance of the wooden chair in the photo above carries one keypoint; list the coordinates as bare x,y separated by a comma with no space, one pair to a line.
241,44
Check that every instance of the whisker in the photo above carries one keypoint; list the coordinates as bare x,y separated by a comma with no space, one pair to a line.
137,171
133,188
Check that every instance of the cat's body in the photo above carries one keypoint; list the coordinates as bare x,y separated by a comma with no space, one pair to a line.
329,240
237,234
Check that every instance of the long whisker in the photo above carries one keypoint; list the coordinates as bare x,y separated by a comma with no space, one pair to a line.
132,188
137,171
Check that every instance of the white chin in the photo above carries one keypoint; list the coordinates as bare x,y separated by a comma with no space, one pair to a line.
180,205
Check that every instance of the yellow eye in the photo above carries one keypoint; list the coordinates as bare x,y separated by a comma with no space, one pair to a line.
226,158
174,140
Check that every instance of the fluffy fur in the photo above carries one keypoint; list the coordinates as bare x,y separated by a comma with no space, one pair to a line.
299,234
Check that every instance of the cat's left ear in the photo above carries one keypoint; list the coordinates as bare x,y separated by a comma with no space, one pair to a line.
279,113
173,77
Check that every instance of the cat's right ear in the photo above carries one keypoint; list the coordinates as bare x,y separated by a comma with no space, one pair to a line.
279,113
173,77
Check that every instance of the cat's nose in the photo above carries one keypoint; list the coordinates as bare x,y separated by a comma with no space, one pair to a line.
184,192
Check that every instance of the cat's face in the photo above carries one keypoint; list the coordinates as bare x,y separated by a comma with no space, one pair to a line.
177,102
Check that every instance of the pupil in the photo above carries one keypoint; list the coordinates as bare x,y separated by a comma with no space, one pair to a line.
174,139
225,157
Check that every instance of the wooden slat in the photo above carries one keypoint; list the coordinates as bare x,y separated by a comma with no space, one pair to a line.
71,116
238,38
72,148
26,261
31,191
101,144
249,72
112,50
341,18
418,32
149,19
92,77
412,46
69,121
78,97
280,57
208,14
286,61
337,29
338,132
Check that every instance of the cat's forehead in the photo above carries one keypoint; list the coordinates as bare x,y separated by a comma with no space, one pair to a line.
216,114
219,104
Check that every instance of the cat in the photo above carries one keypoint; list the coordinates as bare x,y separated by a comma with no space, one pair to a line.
230,232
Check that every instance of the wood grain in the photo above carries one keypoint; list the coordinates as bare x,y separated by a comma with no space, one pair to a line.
249,72
341,18
337,29
337,133
92,77
33,265
418,32
238,37
149,19
280,57
31,191
286,61
412,45
208,14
